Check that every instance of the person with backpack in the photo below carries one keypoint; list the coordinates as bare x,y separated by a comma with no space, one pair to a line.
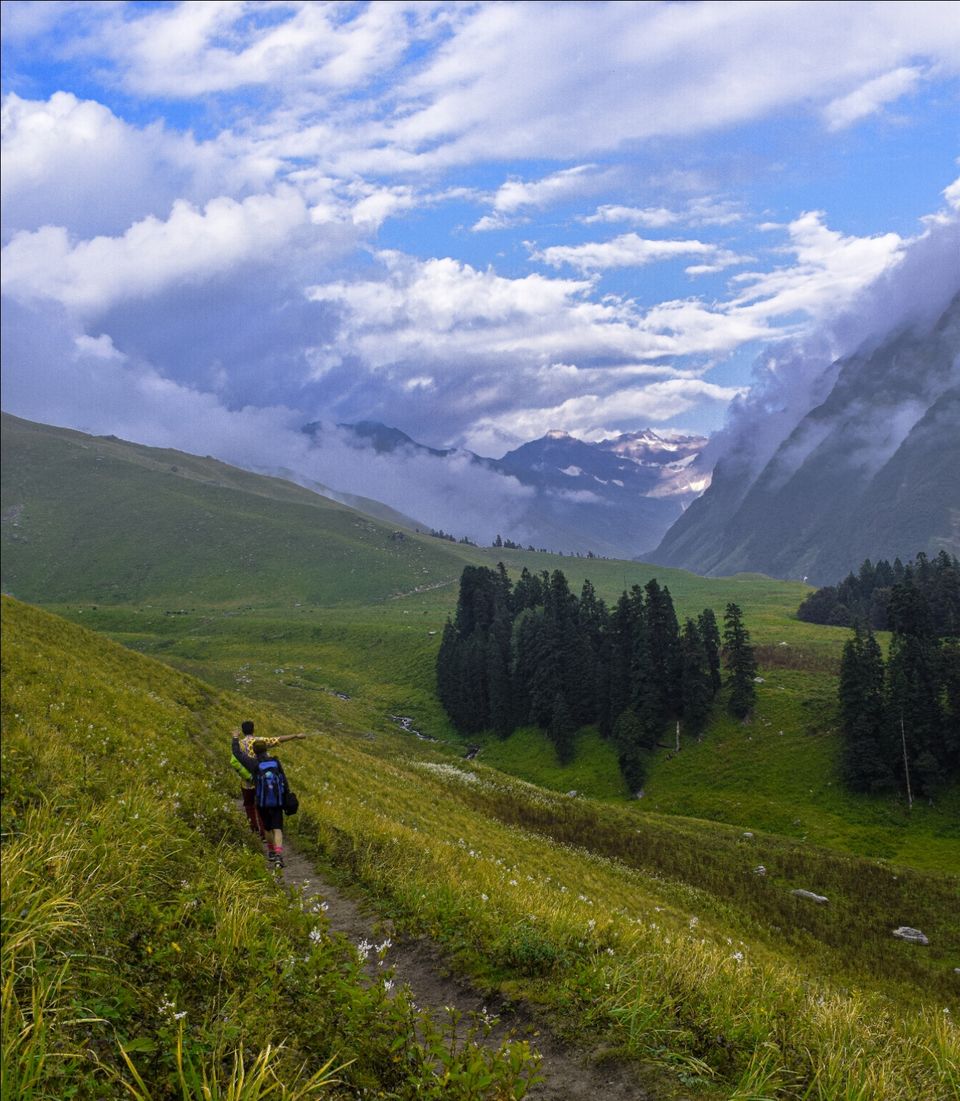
271,793
242,743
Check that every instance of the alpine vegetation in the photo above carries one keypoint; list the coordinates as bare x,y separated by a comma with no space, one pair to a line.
536,653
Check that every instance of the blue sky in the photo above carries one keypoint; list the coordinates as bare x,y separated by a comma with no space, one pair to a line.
473,221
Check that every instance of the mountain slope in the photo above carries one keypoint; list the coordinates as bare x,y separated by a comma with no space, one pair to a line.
873,471
616,497
97,519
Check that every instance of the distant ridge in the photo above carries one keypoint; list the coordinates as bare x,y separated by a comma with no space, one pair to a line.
873,471
615,497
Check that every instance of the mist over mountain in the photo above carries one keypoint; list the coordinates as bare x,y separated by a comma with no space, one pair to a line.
614,497
871,468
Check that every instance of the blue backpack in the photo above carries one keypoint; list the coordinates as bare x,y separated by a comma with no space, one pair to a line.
271,786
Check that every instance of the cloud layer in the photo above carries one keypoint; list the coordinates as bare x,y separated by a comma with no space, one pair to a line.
225,220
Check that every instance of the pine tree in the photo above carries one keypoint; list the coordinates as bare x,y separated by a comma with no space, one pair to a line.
618,651
561,730
628,737
868,755
697,689
710,634
914,714
657,666
499,687
448,673
741,663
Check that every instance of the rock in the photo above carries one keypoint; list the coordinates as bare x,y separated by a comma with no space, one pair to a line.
759,870
759,680
904,932
820,900
572,794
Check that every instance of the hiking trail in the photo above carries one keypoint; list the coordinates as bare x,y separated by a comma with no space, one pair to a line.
422,966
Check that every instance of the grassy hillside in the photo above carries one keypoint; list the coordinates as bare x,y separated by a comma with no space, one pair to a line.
146,951
779,774
97,519
639,931
262,587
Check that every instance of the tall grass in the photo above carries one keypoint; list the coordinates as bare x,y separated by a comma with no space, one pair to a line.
642,961
145,945
552,900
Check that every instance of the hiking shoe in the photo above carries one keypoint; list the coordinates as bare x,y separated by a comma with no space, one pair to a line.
278,860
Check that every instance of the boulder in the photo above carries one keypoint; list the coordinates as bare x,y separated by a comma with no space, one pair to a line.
904,932
820,900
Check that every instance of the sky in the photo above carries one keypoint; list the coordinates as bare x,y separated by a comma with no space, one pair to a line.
476,222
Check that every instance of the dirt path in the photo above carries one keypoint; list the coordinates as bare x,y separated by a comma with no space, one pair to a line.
421,965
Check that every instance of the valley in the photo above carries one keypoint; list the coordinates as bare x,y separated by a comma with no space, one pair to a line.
663,933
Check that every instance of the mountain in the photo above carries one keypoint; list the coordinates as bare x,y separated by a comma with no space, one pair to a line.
94,518
616,497
381,437
872,471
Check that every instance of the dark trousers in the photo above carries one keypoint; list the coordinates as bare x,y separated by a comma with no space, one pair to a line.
250,809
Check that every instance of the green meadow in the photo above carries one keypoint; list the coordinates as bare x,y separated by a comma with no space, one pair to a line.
641,928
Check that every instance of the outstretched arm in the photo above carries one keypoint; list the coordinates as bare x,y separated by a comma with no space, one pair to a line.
288,738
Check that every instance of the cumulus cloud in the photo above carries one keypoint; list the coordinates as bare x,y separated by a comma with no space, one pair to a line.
194,49
189,246
830,270
445,311
516,194
72,162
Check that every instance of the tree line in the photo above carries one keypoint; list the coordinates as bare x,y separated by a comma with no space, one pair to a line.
864,598
901,717
535,653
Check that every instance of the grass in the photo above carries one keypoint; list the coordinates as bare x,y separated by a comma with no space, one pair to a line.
641,925
147,952
383,655
632,929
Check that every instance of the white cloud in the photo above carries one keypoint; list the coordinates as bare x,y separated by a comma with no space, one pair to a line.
870,97
653,217
190,246
831,270
374,209
192,49
659,69
72,162
628,250
443,311
587,414
518,194
705,211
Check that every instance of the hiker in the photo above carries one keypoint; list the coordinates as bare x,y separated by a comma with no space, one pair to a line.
243,743
270,792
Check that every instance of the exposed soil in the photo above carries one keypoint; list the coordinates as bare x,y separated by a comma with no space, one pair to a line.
420,964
